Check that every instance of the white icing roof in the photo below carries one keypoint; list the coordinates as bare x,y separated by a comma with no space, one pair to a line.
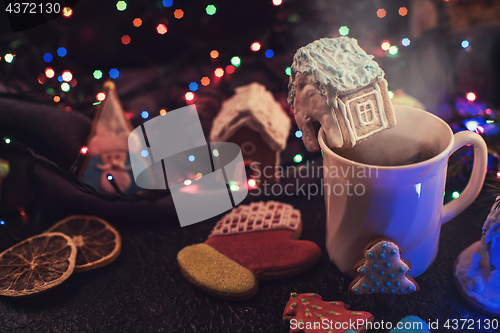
334,65
254,107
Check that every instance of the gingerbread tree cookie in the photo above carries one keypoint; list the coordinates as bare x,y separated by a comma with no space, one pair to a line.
383,273
309,313
251,243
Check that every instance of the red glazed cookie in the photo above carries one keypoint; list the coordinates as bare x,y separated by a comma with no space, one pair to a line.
258,241
309,313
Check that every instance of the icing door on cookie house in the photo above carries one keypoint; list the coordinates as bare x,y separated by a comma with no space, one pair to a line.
204,180
366,113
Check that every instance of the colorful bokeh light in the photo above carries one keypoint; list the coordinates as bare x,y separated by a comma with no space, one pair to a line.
67,11
161,29
49,72
214,54
178,14
114,73
205,81
121,6
255,46
219,72
211,9
189,96
100,96
137,22
97,74
125,39
235,61
381,13
343,30
471,97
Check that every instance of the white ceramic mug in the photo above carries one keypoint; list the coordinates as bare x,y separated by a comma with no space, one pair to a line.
379,188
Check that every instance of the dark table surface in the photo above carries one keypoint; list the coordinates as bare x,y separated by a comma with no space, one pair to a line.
143,290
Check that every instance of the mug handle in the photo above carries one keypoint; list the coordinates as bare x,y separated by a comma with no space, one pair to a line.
471,191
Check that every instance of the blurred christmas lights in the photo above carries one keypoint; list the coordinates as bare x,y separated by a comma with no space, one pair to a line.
163,112
214,54
67,76
137,22
471,97
385,45
277,2
393,50
178,14
9,58
121,6
210,9
343,30
297,158
84,150
97,74
161,29
465,44
65,86
62,51
167,3
187,182
235,61
191,158
125,39
403,11
144,153
381,13
251,184
67,11
255,46
100,96
47,57
189,96
49,73
298,134
405,41
114,73
193,86
219,72
230,69
205,81
269,53
144,114
288,71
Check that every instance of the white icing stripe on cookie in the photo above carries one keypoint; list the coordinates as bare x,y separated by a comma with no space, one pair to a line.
258,216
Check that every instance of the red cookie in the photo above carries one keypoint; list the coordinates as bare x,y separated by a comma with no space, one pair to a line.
257,240
309,313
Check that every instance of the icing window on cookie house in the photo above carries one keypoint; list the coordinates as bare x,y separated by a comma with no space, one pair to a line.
366,113
248,147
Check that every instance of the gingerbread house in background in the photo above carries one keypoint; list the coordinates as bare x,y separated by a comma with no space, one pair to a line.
352,84
253,119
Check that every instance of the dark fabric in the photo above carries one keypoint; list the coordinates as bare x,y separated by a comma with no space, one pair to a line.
58,135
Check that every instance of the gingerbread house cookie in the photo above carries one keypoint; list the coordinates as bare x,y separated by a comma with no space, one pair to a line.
334,82
257,123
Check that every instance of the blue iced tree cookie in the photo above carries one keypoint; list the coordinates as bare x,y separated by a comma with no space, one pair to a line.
383,273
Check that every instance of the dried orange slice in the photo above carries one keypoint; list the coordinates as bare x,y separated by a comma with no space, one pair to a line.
36,264
98,243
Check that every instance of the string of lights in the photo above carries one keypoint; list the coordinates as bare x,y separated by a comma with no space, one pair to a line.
70,176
